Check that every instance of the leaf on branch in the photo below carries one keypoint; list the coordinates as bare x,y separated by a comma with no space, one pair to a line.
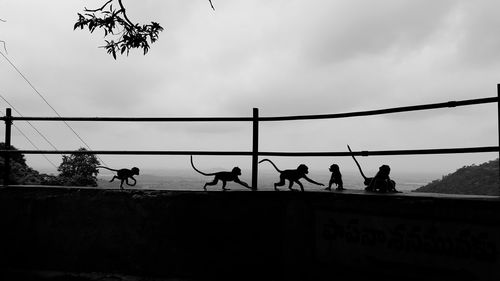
114,22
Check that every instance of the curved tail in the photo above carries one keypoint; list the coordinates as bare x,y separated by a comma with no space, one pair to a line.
357,164
264,160
107,168
192,164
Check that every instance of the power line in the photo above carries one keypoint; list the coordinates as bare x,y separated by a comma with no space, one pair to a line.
41,96
29,140
32,126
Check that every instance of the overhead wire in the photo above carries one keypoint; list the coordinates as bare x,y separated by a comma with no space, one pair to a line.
32,143
46,102
32,126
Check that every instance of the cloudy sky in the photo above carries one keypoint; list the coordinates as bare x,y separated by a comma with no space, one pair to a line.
284,57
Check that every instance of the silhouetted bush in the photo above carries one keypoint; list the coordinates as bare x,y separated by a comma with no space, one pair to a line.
20,172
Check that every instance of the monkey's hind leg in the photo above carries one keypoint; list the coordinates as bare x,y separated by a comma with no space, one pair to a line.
280,183
214,182
114,177
135,182
224,186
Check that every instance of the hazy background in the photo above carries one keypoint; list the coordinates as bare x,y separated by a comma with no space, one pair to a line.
284,57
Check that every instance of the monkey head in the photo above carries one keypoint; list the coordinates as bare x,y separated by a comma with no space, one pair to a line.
303,169
236,171
334,168
135,170
384,171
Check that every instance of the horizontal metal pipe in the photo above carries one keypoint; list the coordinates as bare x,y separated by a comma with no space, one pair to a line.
130,152
263,153
136,119
279,118
387,152
383,111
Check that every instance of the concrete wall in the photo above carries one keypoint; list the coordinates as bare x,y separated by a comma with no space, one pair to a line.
246,235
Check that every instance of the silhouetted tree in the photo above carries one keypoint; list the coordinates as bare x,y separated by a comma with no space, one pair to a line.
20,172
474,179
115,22
79,169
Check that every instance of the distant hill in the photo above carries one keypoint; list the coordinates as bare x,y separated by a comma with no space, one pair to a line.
483,179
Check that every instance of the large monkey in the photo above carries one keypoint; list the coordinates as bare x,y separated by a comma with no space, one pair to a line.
223,176
292,176
381,182
123,175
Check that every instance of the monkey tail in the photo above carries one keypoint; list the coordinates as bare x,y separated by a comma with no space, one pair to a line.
357,164
192,164
267,160
107,168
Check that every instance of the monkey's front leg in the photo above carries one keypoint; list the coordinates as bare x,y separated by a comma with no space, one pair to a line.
301,186
330,183
135,182
224,186
243,183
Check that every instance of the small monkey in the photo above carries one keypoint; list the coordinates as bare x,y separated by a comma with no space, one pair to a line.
123,175
336,178
292,176
222,176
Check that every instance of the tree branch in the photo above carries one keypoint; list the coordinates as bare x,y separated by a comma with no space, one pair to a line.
124,13
115,23
100,9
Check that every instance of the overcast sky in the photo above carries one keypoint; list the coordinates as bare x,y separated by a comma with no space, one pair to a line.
284,57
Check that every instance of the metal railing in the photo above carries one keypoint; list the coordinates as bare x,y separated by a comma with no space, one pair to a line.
255,119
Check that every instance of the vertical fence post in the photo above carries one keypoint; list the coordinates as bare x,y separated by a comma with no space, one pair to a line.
255,148
8,127
498,112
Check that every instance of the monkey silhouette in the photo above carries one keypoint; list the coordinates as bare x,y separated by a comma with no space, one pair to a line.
223,176
381,182
292,175
123,175
335,178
